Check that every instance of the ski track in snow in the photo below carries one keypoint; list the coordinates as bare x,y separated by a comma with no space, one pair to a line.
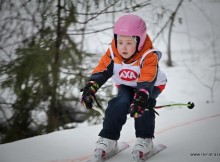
131,141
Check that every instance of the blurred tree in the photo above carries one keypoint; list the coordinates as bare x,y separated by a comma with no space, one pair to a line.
36,73
43,62
172,19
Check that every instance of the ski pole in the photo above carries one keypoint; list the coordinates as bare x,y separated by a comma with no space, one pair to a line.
89,100
99,110
190,105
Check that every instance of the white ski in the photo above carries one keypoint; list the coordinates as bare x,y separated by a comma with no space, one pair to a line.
120,147
157,148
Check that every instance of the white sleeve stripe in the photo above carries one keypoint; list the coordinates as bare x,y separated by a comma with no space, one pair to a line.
111,52
142,58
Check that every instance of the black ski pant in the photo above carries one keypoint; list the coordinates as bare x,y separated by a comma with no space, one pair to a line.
116,116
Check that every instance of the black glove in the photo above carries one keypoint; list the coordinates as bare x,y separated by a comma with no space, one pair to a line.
89,94
139,103
151,103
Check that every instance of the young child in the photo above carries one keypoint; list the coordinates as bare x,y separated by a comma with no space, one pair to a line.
132,63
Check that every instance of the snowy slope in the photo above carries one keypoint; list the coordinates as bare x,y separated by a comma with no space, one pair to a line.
184,131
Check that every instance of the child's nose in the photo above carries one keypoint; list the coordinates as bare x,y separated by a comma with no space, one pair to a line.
124,46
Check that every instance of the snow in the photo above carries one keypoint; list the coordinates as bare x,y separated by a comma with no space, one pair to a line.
182,130
190,135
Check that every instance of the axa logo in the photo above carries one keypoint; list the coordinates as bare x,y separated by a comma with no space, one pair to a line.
128,75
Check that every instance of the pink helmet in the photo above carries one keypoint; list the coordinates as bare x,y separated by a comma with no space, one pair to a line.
131,25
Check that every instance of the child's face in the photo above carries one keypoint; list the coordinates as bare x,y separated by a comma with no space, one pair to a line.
126,46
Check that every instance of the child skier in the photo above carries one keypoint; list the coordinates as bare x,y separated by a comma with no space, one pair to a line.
132,63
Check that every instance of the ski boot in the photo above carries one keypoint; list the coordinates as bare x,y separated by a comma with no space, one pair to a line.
104,148
141,148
